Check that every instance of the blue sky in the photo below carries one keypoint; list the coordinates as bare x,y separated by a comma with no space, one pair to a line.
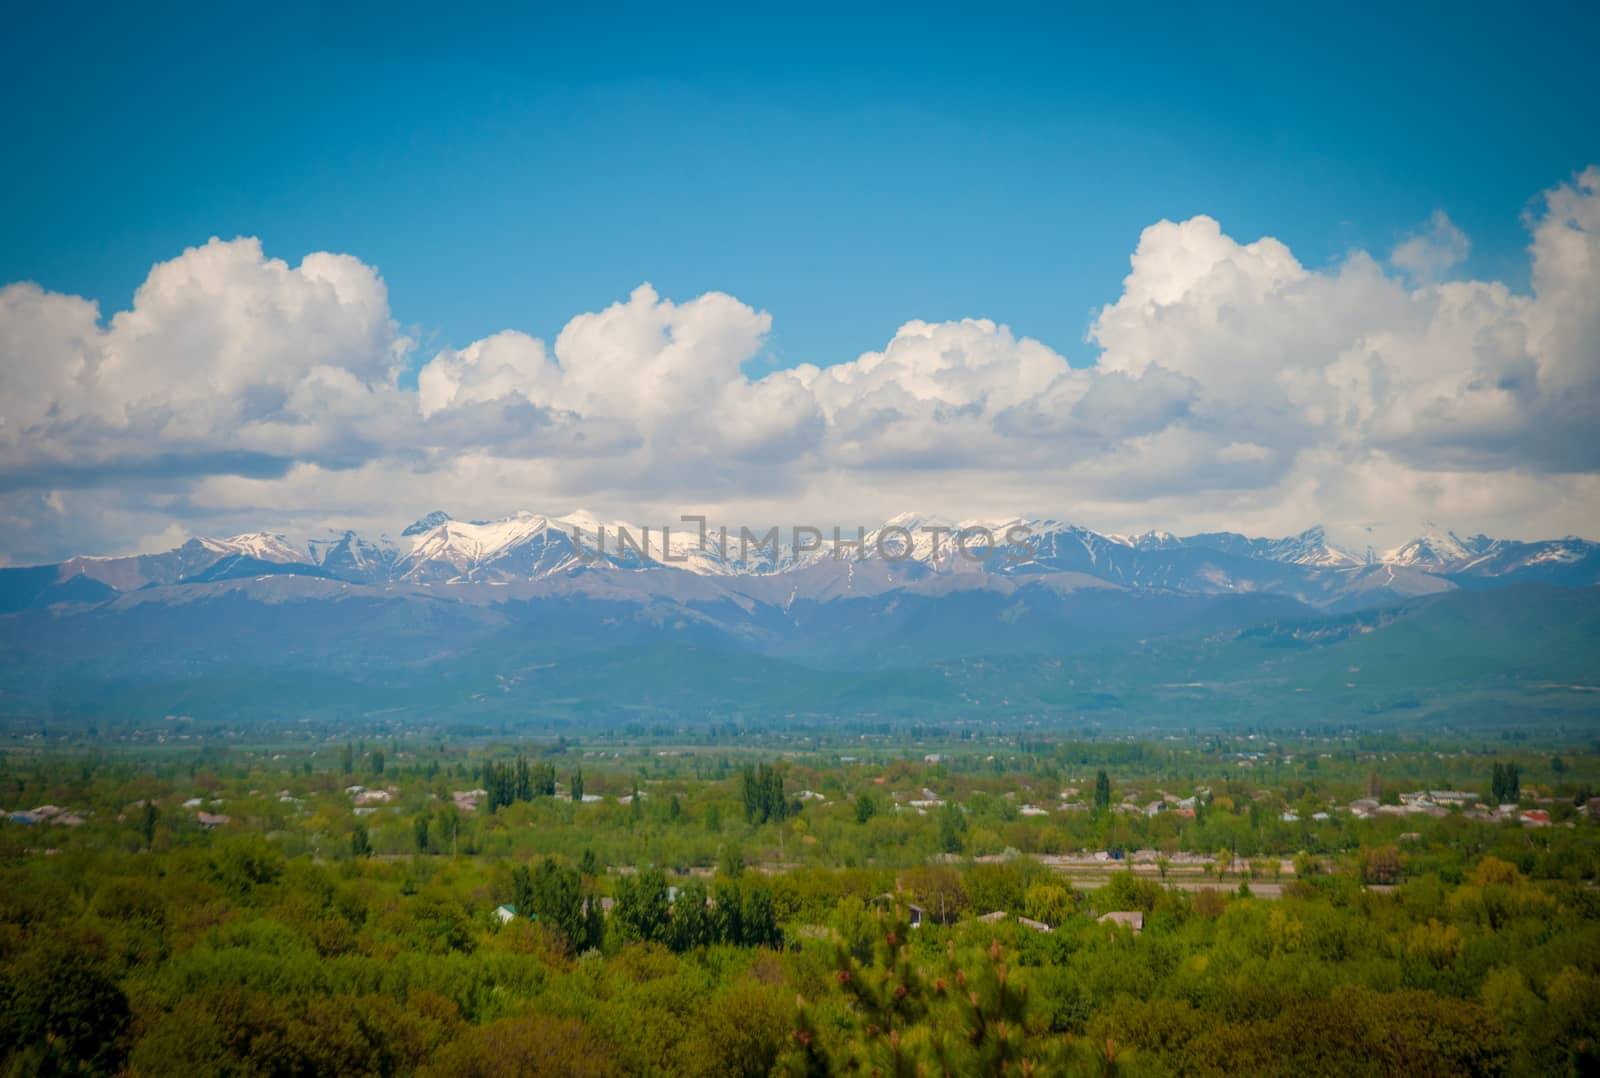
1228,269
845,173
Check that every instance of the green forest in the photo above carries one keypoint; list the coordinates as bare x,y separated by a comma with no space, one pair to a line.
1340,904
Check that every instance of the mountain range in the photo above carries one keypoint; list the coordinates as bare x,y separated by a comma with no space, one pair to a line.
532,615
577,550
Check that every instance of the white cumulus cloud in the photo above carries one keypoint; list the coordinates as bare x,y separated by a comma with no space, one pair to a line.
1234,387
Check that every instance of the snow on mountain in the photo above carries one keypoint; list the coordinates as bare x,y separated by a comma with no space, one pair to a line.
1569,561
1436,549
521,546
259,545
427,523
569,550
350,557
1310,547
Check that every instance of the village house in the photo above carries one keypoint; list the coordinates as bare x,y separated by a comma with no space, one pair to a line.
1133,919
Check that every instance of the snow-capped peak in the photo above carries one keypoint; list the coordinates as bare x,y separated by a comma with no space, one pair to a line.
427,523
1311,547
260,545
1437,549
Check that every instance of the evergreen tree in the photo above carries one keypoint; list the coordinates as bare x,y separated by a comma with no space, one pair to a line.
1102,789
147,823
360,842
594,923
577,784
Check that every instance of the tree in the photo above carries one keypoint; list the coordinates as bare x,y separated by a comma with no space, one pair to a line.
1049,902
1102,789
730,861
952,826
760,919
360,841
577,784
1506,783
377,762
69,1010
938,889
692,922
347,759
147,823
522,890
866,807
529,1046
554,894
420,830
588,864
1381,865
641,909
727,914
892,1016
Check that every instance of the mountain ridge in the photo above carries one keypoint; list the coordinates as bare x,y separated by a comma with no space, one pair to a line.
906,551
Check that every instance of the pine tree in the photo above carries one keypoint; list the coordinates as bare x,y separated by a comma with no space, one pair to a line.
967,1015
577,784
